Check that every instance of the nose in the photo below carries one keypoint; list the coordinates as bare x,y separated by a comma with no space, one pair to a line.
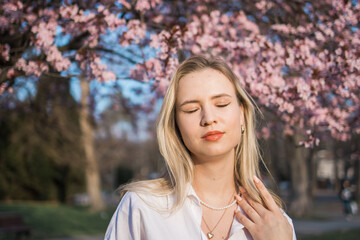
208,117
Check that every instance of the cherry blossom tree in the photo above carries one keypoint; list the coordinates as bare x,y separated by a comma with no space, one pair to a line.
299,60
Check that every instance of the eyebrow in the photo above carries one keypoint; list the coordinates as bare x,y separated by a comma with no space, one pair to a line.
212,98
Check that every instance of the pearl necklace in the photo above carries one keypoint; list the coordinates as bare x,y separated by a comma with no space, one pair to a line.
210,234
217,208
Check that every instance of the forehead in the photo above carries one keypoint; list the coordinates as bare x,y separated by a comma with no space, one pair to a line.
204,83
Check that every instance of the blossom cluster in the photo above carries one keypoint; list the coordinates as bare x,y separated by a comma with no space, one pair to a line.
302,65
43,27
307,75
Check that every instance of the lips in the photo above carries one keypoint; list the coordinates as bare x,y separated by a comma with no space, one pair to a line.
212,136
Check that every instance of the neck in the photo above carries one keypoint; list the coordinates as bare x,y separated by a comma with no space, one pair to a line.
214,180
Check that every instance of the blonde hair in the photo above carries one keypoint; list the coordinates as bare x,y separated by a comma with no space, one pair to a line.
180,167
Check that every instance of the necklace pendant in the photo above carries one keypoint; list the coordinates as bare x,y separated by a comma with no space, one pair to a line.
210,235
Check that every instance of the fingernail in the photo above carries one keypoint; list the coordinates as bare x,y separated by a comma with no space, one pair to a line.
256,179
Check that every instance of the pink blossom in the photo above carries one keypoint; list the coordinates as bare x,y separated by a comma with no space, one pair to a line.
265,132
4,22
201,8
319,36
45,32
136,32
142,5
10,74
113,21
158,19
31,67
195,49
286,106
288,130
13,6
69,11
5,51
155,41
224,19
107,76
247,24
56,59
3,87
281,28
124,3
261,5
81,16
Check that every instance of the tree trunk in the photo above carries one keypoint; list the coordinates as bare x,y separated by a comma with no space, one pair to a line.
357,166
91,168
311,164
270,156
357,179
332,145
299,177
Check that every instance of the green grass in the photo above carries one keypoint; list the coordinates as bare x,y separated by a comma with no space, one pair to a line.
52,220
353,234
56,221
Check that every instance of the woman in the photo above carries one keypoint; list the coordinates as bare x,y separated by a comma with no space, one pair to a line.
206,134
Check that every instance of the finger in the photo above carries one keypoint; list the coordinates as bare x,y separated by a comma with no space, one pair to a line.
259,208
265,195
248,209
244,220
242,190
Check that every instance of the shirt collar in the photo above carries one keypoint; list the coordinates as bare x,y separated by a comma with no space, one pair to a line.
191,194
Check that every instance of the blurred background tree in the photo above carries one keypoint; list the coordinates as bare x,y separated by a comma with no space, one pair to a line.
299,60
40,151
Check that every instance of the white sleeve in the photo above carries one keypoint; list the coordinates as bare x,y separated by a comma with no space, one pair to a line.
125,224
291,223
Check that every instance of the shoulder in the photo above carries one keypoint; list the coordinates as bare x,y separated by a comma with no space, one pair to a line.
126,221
287,216
129,200
291,223
143,201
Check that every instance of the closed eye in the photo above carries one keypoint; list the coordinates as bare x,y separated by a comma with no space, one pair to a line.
191,111
222,105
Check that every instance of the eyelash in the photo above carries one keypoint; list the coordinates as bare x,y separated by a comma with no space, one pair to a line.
223,105
192,111
220,105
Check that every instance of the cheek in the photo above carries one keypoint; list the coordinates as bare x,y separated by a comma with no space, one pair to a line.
187,139
186,130
236,132
235,123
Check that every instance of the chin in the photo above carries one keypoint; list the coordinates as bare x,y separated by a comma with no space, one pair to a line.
216,152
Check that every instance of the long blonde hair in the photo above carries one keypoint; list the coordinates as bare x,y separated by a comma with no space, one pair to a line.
180,167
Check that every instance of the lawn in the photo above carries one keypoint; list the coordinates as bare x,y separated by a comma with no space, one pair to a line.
54,220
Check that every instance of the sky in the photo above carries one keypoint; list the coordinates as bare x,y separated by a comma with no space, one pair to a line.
103,91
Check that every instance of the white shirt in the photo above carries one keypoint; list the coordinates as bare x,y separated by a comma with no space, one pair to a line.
135,219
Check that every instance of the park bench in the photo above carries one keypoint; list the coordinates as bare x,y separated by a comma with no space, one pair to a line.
13,227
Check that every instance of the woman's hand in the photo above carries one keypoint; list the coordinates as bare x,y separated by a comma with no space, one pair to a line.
263,223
